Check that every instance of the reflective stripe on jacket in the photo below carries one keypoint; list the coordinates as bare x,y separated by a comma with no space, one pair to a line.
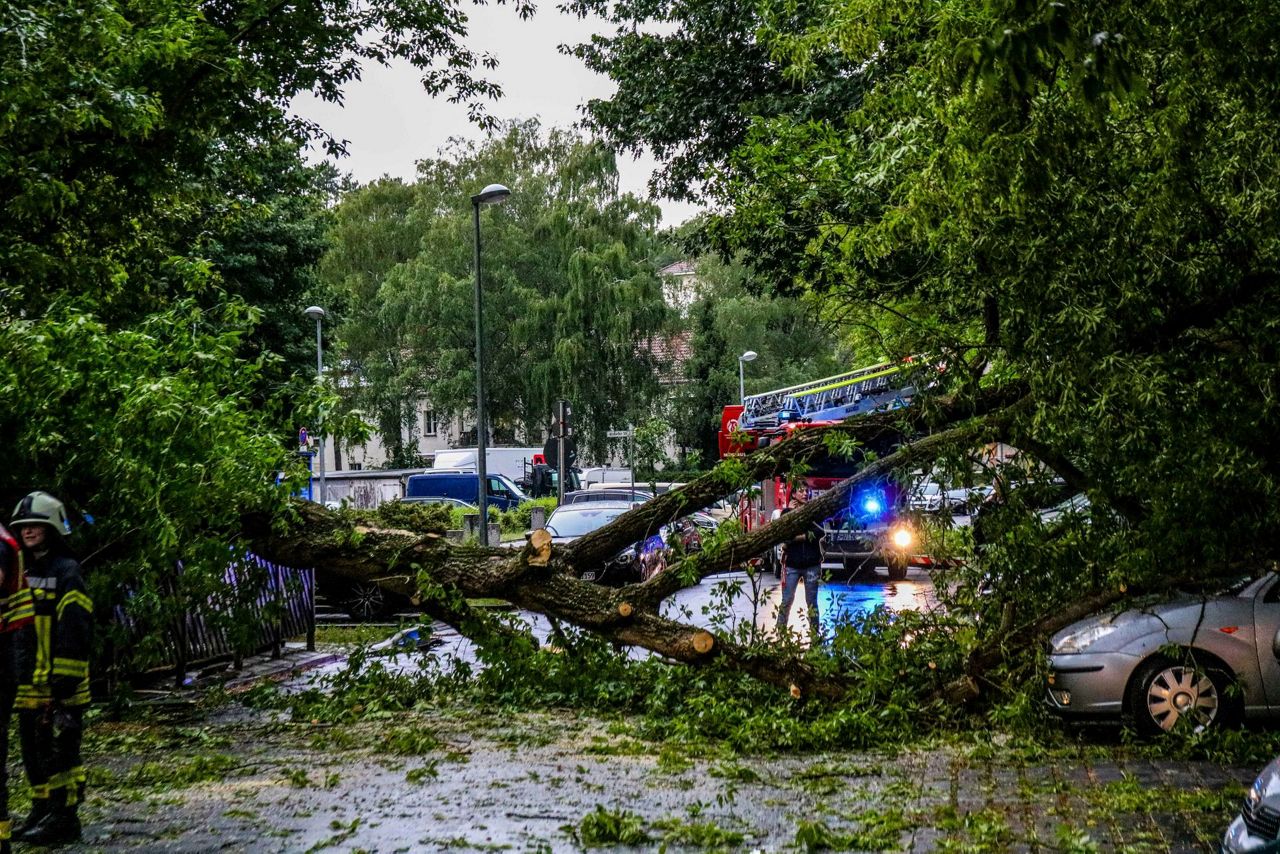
53,649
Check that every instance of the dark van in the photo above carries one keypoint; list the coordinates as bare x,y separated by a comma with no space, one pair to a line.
464,486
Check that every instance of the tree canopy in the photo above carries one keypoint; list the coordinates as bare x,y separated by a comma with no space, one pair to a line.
1078,196
733,312
159,231
571,292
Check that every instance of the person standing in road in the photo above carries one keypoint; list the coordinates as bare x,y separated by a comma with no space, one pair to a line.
16,612
801,558
53,672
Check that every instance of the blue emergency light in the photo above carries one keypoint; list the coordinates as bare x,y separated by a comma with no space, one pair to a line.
869,504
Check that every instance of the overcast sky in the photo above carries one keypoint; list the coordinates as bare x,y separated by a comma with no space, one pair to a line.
390,122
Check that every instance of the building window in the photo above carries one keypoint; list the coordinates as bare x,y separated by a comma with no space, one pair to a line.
357,467
429,425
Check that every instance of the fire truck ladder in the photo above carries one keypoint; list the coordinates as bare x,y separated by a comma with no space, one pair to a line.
830,393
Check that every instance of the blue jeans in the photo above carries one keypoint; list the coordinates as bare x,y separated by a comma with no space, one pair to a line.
790,579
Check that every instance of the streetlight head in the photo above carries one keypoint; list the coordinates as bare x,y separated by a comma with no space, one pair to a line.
493,194
749,356
314,312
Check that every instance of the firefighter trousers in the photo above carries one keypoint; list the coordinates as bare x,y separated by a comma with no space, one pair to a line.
51,755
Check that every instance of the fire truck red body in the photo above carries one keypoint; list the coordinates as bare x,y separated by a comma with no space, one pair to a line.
871,529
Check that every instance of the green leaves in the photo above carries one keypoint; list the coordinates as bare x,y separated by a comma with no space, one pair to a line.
570,297
145,430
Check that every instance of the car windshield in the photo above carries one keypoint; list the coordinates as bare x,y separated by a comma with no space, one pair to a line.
515,490
578,522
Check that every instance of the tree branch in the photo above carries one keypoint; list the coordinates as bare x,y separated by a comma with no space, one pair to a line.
753,543
803,446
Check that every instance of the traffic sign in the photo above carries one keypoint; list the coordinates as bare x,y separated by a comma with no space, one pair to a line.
619,434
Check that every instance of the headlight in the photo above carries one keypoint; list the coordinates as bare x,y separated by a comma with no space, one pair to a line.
626,556
903,537
1079,641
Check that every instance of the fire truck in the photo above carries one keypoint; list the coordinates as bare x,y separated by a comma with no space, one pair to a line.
871,529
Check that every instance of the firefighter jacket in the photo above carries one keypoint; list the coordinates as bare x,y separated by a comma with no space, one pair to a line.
53,650
16,606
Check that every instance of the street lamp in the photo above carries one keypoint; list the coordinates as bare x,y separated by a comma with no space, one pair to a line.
316,313
491,195
749,356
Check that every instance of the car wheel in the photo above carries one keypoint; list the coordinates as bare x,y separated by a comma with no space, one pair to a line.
1165,694
897,566
365,601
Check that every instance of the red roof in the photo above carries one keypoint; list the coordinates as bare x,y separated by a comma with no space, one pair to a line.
670,352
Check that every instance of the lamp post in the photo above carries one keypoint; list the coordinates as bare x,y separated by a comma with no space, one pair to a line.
316,313
491,195
749,356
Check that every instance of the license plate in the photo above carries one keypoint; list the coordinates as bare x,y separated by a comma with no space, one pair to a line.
588,576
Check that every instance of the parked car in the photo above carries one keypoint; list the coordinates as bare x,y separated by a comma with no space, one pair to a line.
635,496
1195,662
634,563
1075,505
704,521
443,499
966,499
1257,827
464,485
927,497
725,508
360,600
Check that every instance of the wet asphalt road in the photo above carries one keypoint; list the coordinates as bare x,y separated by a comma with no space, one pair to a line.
514,781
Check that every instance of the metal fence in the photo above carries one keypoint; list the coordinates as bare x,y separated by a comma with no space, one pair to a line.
280,605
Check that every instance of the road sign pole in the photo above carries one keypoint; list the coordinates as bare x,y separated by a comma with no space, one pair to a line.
562,464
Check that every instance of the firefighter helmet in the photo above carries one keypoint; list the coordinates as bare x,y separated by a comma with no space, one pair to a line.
41,508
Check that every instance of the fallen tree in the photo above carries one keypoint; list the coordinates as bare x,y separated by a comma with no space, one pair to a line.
540,577
544,579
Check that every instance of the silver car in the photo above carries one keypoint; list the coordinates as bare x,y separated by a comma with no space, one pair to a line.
1257,827
1195,662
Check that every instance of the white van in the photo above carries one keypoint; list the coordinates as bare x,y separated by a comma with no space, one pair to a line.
603,475
514,463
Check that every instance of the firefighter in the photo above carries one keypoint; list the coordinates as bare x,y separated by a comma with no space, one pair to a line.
53,672
16,611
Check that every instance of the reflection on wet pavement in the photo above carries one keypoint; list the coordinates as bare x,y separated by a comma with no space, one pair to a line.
839,603
732,604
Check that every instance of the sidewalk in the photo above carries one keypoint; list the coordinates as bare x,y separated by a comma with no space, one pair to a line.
294,660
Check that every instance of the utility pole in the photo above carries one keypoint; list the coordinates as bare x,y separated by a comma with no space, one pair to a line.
562,434
316,313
